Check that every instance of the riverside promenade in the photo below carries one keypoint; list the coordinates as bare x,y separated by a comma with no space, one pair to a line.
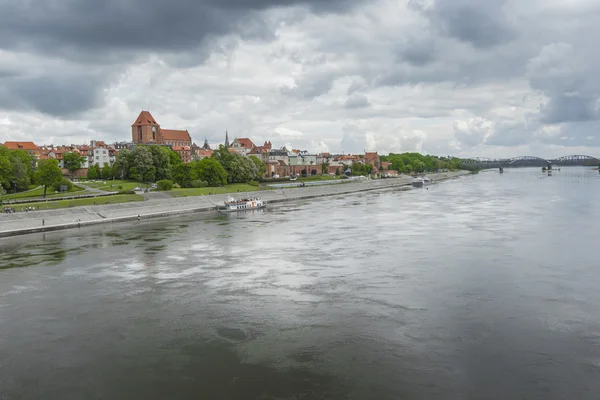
67,218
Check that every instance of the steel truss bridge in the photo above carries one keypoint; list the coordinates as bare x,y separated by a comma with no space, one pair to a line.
531,161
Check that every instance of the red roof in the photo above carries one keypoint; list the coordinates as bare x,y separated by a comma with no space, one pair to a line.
181,148
204,153
21,146
145,118
245,142
178,135
372,156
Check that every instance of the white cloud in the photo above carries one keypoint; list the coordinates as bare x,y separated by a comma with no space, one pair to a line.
342,76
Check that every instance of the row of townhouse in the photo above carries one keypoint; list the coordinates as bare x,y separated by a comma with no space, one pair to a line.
289,162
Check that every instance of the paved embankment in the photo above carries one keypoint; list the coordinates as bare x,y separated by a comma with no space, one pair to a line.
49,220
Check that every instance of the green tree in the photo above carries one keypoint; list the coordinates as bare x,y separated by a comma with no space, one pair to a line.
122,164
324,168
174,158
73,161
141,159
261,167
161,160
20,172
108,171
16,169
208,170
133,174
5,167
94,172
48,173
238,167
150,174
182,174
164,185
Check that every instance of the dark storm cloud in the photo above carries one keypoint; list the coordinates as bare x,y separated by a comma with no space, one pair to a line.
419,53
483,24
357,101
91,26
54,95
569,107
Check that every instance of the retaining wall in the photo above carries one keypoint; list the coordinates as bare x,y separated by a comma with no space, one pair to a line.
31,222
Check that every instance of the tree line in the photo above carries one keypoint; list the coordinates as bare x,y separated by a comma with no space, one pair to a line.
416,162
157,163
19,170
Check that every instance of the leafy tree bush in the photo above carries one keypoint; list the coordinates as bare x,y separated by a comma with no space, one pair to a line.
73,161
107,171
94,172
253,183
65,182
199,183
209,170
182,175
48,173
261,167
164,184
237,167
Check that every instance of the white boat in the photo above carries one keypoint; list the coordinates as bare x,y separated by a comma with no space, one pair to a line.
418,182
426,180
232,205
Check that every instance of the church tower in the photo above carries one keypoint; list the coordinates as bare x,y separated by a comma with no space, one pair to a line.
206,145
145,129
226,139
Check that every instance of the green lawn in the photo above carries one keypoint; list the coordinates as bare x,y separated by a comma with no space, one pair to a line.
113,186
120,198
38,193
233,188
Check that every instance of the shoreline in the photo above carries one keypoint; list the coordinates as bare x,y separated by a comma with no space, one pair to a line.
61,219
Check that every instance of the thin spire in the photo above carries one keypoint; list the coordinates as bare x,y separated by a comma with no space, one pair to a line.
226,139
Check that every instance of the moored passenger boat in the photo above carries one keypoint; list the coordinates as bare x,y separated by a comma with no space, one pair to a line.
417,182
232,204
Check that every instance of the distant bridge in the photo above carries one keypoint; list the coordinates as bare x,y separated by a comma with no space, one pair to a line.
530,161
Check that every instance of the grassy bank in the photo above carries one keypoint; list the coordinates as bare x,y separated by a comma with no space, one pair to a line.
39,192
318,178
49,205
233,188
114,186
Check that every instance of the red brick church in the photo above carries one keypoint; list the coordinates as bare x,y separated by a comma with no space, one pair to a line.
146,130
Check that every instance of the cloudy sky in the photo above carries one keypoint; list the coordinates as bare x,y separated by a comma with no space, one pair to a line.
461,77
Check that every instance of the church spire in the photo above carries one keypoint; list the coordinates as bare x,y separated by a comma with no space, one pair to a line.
226,139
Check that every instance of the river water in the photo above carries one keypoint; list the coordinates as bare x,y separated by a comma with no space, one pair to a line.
482,287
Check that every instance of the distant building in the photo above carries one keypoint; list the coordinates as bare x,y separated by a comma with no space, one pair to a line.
145,130
185,152
29,147
242,145
373,159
